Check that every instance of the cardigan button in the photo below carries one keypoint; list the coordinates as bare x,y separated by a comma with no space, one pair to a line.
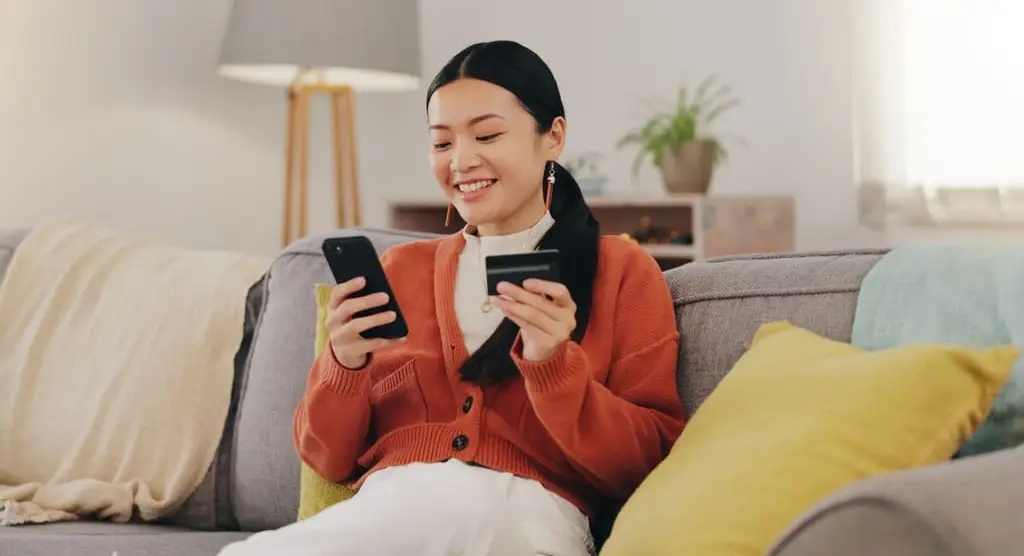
467,404
460,442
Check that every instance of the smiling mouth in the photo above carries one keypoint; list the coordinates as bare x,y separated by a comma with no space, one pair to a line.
474,186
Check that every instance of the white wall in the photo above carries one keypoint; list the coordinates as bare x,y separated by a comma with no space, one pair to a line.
112,109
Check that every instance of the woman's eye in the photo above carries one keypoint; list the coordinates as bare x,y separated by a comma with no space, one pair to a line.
486,138
441,145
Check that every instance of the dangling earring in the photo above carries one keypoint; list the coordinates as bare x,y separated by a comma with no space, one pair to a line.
551,185
448,212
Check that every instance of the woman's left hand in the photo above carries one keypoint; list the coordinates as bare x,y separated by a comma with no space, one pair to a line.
544,311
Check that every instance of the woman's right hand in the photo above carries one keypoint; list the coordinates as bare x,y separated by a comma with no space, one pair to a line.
351,350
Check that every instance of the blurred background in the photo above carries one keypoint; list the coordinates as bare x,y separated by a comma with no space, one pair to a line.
847,123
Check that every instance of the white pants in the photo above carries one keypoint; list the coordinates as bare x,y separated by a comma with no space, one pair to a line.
435,509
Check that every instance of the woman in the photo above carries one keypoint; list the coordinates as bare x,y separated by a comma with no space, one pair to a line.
500,425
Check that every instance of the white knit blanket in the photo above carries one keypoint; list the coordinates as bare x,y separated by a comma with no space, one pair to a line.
116,363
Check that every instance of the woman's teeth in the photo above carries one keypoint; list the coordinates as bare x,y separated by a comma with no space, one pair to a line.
474,186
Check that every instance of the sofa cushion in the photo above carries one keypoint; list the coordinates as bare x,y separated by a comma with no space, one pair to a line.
797,418
83,538
720,303
264,465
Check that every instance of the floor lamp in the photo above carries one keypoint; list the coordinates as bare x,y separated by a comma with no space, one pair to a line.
295,203
328,48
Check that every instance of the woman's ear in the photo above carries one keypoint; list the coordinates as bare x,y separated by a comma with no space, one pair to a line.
554,139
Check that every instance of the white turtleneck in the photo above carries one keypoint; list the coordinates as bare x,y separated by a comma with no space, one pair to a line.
471,280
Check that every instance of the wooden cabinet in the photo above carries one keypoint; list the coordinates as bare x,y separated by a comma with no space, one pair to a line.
701,226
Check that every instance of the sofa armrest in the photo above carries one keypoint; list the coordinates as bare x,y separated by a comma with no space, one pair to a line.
967,507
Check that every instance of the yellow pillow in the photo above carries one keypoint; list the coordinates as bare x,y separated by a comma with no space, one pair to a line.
315,492
798,417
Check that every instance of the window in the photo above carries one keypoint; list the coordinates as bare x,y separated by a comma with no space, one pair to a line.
939,106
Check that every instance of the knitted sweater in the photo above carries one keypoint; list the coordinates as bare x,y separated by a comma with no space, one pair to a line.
589,423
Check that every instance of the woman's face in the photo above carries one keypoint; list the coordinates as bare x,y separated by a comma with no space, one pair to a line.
487,155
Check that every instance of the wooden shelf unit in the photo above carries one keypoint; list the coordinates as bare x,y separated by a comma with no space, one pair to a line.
719,225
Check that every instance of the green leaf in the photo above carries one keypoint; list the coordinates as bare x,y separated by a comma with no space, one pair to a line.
670,125
721,108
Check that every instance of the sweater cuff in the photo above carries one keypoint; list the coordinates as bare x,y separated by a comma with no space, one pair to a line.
566,363
339,379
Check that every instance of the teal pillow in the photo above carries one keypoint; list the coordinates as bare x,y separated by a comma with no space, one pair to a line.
967,294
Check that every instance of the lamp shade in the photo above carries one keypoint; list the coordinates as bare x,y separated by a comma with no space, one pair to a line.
370,45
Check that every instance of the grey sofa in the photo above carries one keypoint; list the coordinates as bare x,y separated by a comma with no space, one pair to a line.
971,507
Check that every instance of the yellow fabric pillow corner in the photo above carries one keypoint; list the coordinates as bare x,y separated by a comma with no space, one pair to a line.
798,417
316,493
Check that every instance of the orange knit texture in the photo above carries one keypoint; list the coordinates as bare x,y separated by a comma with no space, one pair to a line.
589,423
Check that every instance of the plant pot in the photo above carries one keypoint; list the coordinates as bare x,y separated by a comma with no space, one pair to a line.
688,168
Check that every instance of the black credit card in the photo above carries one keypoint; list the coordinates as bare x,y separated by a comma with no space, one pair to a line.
516,268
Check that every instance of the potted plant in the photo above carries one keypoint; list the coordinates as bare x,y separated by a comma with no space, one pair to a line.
586,171
677,140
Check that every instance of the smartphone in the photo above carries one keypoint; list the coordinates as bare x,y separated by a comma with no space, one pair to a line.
516,268
354,256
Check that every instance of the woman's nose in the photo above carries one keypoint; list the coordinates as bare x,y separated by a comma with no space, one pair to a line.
464,159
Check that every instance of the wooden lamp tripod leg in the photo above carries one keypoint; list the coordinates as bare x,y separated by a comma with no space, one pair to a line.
289,169
353,160
346,167
296,192
303,162
339,162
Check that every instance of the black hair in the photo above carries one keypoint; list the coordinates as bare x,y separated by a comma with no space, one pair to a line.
575,233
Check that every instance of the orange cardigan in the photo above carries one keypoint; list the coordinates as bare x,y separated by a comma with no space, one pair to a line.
589,423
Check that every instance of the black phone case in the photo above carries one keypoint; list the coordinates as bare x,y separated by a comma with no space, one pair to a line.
354,256
518,267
